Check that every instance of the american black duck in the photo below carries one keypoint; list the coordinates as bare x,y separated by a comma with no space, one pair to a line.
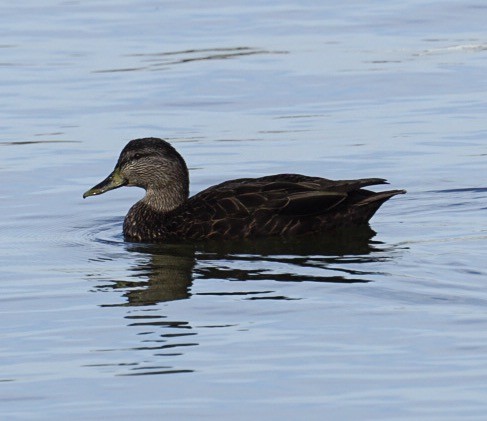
276,205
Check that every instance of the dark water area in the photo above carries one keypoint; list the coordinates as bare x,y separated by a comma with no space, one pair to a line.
386,323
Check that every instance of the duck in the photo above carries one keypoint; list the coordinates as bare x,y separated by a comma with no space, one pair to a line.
280,205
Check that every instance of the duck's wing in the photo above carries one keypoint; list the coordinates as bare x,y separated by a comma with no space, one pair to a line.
273,205
286,194
298,182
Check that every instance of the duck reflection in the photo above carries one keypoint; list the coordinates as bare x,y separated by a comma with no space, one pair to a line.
162,273
166,272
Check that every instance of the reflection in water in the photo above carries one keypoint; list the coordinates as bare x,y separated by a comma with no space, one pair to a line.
166,276
168,270
165,273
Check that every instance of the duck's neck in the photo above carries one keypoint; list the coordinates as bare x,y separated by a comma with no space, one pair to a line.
166,199
148,219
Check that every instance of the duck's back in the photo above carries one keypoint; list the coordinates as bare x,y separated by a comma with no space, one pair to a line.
277,205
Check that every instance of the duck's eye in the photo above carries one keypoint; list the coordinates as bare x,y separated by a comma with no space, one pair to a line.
137,156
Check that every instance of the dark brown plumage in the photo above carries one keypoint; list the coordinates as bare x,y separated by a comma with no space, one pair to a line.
276,205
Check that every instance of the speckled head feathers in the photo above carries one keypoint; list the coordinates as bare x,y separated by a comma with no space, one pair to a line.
153,161
148,146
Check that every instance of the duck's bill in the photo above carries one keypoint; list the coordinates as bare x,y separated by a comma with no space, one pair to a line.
113,181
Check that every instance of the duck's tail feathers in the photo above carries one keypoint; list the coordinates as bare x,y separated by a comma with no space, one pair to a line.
379,197
374,201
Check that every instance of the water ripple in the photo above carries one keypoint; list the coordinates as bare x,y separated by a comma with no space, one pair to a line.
106,231
160,60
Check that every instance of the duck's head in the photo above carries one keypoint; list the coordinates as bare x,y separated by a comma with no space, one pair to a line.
150,163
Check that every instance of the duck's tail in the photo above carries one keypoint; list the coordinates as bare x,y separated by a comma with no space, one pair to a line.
369,205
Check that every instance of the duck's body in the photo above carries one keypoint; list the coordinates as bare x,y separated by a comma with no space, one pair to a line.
276,205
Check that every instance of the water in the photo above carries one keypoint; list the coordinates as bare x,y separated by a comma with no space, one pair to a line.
387,328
